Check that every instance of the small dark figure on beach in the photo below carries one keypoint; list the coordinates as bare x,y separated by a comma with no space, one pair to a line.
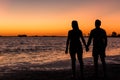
75,47
99,45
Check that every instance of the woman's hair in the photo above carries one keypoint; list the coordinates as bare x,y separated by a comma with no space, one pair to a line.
75,25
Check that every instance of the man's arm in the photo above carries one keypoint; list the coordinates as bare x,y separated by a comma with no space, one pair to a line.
90,39
105,40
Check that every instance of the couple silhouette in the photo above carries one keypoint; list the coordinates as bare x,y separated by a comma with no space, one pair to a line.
73,43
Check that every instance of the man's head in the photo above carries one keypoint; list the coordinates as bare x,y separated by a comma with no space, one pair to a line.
97,23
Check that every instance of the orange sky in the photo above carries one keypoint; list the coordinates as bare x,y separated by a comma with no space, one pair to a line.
53,17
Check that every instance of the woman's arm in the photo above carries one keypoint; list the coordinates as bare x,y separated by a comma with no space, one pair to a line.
67,43
83,40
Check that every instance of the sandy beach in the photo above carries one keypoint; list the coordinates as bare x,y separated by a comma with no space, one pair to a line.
36,72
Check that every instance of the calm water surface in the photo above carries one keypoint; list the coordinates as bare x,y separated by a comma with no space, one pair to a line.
41,44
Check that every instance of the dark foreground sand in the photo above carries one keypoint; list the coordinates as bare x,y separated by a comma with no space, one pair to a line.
113,73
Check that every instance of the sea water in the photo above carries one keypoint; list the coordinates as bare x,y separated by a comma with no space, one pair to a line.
45,53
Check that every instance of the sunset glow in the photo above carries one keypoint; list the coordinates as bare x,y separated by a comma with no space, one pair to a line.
53,17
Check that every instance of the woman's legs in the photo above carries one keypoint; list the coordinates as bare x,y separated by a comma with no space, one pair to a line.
79,55
73,60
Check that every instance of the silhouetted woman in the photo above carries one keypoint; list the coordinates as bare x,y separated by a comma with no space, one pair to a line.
75,47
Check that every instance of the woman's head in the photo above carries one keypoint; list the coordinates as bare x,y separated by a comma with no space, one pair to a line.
75,25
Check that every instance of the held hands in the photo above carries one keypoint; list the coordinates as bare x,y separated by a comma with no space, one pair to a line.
66,51
87,48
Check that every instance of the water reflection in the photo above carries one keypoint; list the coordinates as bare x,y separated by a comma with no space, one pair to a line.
45,53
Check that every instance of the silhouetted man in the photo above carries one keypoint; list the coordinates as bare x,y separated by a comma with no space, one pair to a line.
99,45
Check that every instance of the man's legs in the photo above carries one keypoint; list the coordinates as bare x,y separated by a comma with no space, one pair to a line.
104,64
96,65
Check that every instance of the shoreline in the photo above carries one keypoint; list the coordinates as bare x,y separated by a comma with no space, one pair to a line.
24,72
